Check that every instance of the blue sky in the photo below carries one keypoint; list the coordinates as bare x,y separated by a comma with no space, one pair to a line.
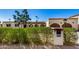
43,14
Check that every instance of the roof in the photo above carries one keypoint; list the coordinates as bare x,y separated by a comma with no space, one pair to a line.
9,22
74,15
63,18
27,22
72,18
37,22
56,18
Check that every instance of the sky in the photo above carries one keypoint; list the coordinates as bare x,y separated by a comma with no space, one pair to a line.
43,14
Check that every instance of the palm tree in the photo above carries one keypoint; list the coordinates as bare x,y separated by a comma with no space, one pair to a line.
36,20
22,17
9,19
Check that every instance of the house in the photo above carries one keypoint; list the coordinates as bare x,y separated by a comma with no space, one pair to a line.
61,22
56,24
16,24
72,21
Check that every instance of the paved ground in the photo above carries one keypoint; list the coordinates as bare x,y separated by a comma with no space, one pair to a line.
66,47
37,47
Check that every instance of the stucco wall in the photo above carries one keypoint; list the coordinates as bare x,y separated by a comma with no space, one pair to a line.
60,22
72,21
58,40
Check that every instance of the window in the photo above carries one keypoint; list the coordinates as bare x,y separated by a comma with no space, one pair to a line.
16,25
58,33
8,25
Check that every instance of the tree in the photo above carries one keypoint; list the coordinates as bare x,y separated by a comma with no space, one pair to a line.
36,20
22,17
9,19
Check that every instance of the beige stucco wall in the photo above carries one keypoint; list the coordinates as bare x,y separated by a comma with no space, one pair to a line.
4,25
60,22
71,20
58,40
12,25
47,23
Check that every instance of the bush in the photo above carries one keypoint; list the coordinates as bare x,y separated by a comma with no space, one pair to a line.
35,34
25,35
69,36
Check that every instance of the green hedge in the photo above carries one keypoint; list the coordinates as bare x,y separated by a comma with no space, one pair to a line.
70,36
35,35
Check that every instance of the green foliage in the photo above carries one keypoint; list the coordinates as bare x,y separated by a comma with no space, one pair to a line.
69,36
69,29
21,17
36,33
25,35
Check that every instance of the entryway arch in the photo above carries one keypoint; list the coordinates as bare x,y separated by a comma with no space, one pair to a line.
66,25
54,25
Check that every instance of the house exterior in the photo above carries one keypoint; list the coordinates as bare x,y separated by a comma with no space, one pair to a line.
61,22
56,24
72,21
16,24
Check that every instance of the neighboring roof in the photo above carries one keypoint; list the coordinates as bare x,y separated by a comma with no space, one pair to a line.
56,18
72,18
9,22
27,22
74,15
37,22
63,18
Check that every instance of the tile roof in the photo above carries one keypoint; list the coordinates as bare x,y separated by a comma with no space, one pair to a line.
27,22
56,18
63,18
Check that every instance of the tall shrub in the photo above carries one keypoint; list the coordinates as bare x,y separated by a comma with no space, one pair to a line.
69,36
35,35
